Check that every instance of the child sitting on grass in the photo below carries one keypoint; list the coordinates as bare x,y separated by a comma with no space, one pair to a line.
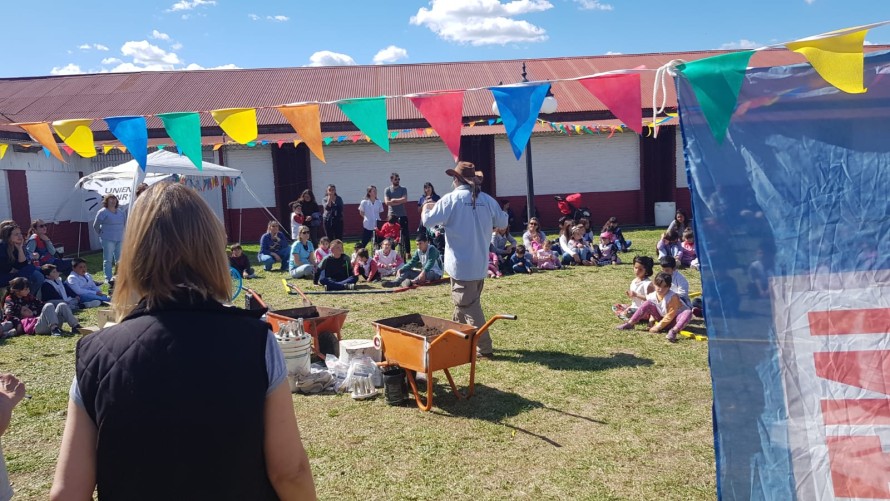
388,261
546,258
239,261
323,250
30,315
665,307
494,266
335,272
689,257
364,266
607,251
425,266
520,261
55,291
83,285
640,287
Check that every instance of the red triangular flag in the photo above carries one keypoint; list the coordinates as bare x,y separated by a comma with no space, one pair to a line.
444,112
620,92
280,142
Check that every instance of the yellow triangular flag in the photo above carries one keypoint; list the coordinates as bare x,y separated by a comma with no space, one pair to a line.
305,120
217,146
838,59
3,148
40,132
238,123
106,148
297,142
77,134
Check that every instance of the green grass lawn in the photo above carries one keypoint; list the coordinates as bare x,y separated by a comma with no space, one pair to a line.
571,409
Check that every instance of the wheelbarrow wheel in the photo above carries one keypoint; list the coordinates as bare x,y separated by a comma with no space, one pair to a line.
328,343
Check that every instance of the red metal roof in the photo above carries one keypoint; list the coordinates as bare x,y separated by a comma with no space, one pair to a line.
146,93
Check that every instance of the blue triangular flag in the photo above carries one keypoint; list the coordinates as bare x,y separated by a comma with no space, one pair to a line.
133,133
519,106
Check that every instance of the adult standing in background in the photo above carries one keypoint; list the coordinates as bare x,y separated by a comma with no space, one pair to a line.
333,214
109,224
395,197
370,208
311,214
468,216
429,195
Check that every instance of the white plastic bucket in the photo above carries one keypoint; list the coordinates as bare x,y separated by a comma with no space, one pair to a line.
297,354
664,213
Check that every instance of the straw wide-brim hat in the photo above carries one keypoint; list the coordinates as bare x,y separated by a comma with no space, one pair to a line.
465,171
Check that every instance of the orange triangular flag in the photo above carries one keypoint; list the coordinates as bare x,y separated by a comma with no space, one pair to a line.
837,57
305,120
122,148
40,132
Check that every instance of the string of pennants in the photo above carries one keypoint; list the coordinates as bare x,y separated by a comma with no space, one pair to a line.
716,81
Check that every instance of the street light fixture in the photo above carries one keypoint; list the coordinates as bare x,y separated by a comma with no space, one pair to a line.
549,106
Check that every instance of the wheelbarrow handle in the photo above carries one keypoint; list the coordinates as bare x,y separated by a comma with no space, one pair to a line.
493,319
453,332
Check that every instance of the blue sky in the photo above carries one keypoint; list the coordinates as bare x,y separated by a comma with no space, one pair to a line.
59,37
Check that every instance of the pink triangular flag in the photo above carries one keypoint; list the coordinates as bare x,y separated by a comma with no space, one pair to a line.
280,142
620,92
444,112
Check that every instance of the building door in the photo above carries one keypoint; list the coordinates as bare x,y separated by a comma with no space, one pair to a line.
292,172
658,171
480,151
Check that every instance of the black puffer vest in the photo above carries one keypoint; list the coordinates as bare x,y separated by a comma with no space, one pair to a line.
177,394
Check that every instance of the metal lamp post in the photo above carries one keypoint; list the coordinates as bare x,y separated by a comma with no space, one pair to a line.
549,106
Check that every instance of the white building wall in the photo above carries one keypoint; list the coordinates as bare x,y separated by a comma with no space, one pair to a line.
48,192
585,163
36,160
682,181
255,165
352,168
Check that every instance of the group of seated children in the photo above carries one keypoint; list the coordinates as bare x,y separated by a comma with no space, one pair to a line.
663,302
684,252
24,313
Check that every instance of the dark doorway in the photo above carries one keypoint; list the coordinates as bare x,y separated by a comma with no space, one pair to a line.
292,174
658,170
480,151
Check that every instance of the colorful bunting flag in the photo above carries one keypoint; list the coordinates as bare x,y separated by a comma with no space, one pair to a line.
238,123
837,57
328,141
716,82
77,135
217,146
40,132
106,148
519,106
621,93
306,122
444,112
369,115
3,148
133,132
184,128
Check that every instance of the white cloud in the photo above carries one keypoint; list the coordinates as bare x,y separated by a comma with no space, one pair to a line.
68,69
593,5
809,2
274,19
150,56
187,5
482,22
111,60
741,44
176,46
194,66
96,46
611,53
157,35
390,54
328,58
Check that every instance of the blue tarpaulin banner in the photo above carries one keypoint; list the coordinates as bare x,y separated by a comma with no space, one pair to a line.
792,221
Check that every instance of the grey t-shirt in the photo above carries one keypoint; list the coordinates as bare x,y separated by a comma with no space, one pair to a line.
276,370
396,210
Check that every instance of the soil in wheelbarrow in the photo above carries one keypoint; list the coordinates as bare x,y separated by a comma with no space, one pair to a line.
423,330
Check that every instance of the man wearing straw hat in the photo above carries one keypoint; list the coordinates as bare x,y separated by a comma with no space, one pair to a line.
468,216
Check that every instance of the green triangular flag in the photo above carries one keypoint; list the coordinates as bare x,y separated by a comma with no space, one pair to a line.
184,128
369,115
716,82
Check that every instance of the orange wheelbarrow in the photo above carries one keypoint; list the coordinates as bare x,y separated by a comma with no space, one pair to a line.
318,321
454,344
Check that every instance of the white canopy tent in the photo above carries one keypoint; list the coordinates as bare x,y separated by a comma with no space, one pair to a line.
121,180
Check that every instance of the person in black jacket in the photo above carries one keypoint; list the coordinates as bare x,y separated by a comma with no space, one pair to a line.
184,398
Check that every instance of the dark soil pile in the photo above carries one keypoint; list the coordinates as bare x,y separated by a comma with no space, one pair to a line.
423,330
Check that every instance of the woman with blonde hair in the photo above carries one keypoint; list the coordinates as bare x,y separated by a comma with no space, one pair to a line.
184,397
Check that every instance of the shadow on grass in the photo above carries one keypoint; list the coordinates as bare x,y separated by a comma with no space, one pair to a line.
560,361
